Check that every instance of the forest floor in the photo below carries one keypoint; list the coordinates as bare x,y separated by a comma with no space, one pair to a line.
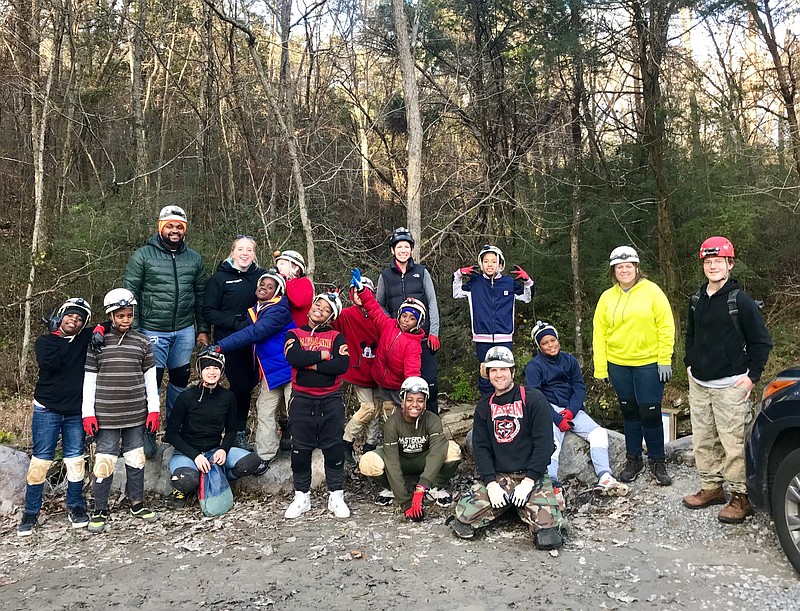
644,551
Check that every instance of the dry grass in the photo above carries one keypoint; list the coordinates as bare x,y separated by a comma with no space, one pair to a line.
15,422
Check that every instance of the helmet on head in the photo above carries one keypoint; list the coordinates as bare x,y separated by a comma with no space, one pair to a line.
333,301
623,254
293,257
210,359
541,329
118,298
402,234
489,248
173,213
414,384
75,305
716,246
417,308
498,356
273,273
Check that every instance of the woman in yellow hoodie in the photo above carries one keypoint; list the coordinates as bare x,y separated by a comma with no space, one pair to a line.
634,334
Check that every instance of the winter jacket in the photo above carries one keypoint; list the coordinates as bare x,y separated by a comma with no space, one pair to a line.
169,287
300,292
560,379
361,336
303,350
714,348
394,287
61,364
632,328
229,292
424,437
399,354
491,304
511,435
199,418
269,323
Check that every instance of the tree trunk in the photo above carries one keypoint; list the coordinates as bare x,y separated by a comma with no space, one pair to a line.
135,53
576,151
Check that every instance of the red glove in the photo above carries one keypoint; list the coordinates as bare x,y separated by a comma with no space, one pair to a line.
433,343
565,425
520,274
470,270
568,415
415,512
153,421
90,426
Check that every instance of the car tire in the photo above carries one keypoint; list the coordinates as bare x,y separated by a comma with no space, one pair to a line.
786,507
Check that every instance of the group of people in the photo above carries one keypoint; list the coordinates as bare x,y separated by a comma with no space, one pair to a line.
271,330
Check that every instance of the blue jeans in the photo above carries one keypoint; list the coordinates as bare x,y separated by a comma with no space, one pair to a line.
172,350
47,426
179,460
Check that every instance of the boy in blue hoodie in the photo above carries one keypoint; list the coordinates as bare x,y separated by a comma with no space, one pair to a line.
558,375
491,297
269,320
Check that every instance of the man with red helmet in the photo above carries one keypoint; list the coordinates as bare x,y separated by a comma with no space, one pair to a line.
727,346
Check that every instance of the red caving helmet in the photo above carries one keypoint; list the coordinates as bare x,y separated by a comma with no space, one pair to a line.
716,246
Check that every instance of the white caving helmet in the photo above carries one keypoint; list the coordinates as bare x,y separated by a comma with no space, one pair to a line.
75,303
293,257
173,213
623,254
494,249
334,301
411,303
414,384
118,298
278,277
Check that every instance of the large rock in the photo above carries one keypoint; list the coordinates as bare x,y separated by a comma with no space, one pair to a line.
13,471
680,451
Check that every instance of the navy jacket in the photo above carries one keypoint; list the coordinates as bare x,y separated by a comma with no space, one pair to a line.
560,379
491,304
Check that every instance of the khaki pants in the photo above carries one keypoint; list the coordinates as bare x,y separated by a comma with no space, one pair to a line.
353,427
720,419
268,439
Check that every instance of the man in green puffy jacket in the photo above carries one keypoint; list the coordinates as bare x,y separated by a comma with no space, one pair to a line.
168,280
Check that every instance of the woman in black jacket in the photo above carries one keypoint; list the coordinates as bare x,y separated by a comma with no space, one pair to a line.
229,292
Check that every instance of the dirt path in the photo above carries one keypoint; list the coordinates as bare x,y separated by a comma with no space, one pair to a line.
640,552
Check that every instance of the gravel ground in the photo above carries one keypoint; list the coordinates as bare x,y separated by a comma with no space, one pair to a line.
644,551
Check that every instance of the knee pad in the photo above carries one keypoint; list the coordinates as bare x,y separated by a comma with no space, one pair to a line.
185,479
246,465
334,456
159,376
76,468
629,408
371,464
301,461
453,452
37,471
104,465
650,415
134,458
598,438
365,413
388,408
179,376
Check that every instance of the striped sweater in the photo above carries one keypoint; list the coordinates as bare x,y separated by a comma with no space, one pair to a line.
119,386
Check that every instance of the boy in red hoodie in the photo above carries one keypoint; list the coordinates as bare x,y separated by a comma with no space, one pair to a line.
361,335
399,354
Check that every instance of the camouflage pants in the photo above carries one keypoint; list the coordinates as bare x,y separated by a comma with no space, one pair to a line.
720,420
541,510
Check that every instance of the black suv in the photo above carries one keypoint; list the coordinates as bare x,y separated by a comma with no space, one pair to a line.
773,460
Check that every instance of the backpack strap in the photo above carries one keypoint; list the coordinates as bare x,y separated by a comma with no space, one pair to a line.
522,392
733,310
694,299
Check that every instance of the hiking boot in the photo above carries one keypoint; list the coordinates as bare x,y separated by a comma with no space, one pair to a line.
548,538
737,509
143,513
607,485
78,517
25,528
441,497
704,498
179,499
97,522
633,468
658,467
150,448
300,504
348,453
337,505
384,498
241,441
262,467
462,530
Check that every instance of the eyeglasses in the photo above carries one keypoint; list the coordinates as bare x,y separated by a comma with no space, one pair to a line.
242,236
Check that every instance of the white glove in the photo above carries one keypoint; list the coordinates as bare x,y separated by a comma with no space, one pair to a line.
497,496
522,491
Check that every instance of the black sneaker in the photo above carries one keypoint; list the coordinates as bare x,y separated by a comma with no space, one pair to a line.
25,528
97,522
262,467
658,467
384,498
143,513
348,453
633,468
150,448
463,531
78,517
548,538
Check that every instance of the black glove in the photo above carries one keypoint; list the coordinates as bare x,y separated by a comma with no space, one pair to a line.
99,336
52,322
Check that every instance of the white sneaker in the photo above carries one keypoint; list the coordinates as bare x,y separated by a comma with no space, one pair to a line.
609,486
384,498
300,504
337,505
441,497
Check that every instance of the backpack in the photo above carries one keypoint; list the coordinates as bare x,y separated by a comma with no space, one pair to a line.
214,492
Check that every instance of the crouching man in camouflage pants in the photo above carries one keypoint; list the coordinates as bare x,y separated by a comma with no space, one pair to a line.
512,442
